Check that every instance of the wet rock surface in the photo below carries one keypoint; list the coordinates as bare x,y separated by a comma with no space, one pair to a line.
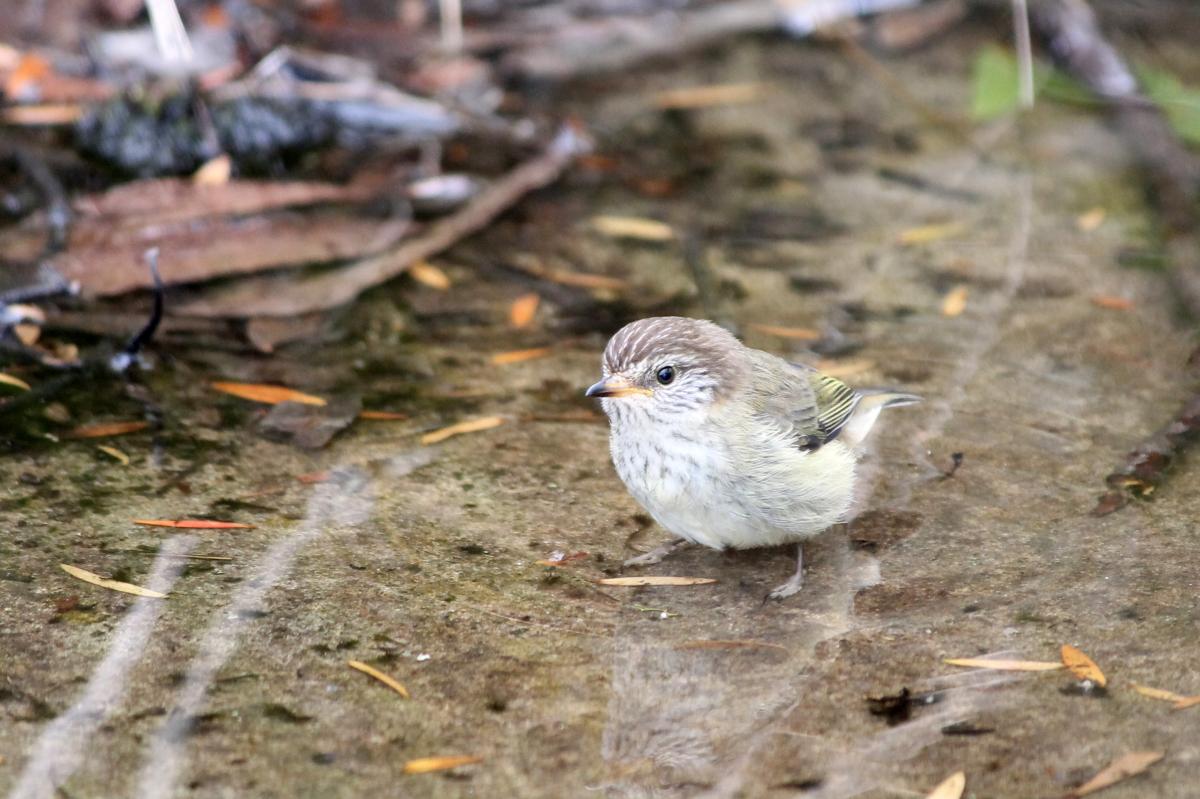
421,561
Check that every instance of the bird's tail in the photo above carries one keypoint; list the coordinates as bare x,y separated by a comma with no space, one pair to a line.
866,411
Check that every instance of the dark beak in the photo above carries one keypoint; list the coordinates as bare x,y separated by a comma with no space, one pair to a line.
615,386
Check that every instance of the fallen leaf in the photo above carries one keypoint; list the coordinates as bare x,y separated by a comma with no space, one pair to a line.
1082,666
708,96
379,675
382,416
9,380
424,765
1112,302
1124,767
115,453
194,524
563,559
269,394
469,426
1158,693
847,368
47,114
24,78
1092,219
27,334
925,234
429,275
214,172
955,301
632,227
523,310
1186,702
114,585
105,429
653,579
1004,665
736,644
517,356
797,333
950,788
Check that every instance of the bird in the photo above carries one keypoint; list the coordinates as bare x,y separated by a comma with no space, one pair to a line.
728,446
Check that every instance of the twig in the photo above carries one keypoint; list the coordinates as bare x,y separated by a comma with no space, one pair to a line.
1146,466
330,289
123,359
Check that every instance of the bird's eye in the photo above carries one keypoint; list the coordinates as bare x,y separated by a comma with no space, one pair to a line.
666,375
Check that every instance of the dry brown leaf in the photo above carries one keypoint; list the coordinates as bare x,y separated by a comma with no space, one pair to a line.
1186,702
379,675
1158,693
1004,665
926,234
16,382
950,788
105,429
523,309
517,356
1082,666
1124,767
112,585
46,114
429,275
797,333
382,416
955,301
632,227
270,395
469,426
424,765
652,579
214,172
1090,220
1111,302
708,96
114,453
194,524
735,644
847,368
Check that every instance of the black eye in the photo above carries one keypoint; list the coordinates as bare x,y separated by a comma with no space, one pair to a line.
666,375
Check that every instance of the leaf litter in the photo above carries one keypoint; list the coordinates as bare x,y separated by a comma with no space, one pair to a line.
468,426
425,765
1122,768
371,671
112,585
271,395
1082,666
652,579
950,788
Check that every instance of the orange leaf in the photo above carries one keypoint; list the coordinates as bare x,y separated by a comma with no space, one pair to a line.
1111,302
214,172
194,524
632,227
523,310
469,426
1082,666
424,765
382,416
429,275
955,301
379,675
517,356
1124,767
950,788
114,453
798,333
1004,665
106,429
1186,702
1158,693
271,395
30,69
652,579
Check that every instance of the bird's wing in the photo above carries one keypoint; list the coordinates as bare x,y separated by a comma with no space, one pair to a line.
807,406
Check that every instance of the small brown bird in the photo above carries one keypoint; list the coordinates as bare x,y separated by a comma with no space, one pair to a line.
729,446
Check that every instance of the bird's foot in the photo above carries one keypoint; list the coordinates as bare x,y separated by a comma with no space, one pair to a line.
657,554
792,586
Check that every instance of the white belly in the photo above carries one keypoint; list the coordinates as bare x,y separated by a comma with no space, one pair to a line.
710,494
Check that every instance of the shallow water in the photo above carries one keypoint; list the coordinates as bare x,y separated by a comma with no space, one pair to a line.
421,560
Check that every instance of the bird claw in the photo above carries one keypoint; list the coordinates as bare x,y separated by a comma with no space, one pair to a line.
657,554
792,586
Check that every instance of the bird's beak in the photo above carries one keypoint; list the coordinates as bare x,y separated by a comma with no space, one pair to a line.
616,386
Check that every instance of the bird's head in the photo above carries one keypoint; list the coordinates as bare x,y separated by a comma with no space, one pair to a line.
667,365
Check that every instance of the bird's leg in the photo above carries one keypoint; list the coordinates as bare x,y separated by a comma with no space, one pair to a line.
658,553
795,582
